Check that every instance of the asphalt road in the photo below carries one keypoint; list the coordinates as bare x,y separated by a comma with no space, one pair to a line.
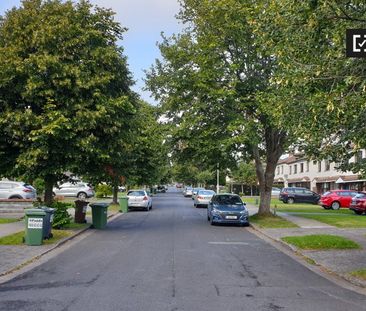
171,259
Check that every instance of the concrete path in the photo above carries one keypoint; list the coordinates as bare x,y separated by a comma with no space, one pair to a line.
14,227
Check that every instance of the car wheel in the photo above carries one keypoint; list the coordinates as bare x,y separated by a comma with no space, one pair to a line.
82,195
335,205
13,197
212,222
326,207
151,206
358,212
208,217
147,208
290,200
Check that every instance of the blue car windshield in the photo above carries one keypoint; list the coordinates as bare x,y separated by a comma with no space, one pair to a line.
228,200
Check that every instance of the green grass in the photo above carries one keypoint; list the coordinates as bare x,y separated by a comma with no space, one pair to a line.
17,238
340,221
8,220
271,222
74,226
321,242
360,274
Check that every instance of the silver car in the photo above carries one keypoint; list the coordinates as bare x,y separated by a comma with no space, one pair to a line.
194,192
80,190
188,191
140,199
16,190
203,197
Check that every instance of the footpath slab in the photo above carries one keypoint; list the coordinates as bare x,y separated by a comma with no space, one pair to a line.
15,257
335,262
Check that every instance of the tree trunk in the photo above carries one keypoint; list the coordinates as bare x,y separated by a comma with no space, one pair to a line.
242,188
275,141
115,194
49,182
251,190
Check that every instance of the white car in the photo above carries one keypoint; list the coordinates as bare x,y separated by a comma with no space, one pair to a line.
203,197
16,190
139,199
80,190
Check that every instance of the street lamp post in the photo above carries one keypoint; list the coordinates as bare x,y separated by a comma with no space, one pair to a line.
218,179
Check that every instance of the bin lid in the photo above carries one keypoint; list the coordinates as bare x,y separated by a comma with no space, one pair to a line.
35,212
100,205
47,209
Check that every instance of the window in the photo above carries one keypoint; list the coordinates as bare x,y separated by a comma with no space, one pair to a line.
301,167
326,165
307,166
281,169
319,166
295,169
5,186
278,170
290,169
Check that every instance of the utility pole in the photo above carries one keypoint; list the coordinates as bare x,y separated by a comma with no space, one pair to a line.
218,179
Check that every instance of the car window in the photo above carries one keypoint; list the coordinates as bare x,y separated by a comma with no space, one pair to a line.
290,190
327,193
361,196
354,193
206,192
308,192
136,193
299,191
228,199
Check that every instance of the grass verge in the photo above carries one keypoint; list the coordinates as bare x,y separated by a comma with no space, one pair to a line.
271,222
321,242
8,220
360,274
340,221
17,238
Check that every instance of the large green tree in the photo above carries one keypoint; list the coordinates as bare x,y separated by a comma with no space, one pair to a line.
64,89
214,83
323,91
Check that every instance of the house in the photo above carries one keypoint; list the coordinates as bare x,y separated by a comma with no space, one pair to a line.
318,176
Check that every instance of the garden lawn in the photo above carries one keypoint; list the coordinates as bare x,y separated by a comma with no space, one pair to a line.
321,242
17,238
8,220
271,222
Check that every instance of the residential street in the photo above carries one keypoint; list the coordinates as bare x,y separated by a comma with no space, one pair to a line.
171,259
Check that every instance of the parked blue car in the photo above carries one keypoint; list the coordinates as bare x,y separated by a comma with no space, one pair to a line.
227,208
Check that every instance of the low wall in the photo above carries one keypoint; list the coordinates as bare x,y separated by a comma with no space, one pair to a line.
15,206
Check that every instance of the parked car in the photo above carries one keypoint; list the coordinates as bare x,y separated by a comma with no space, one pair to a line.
187,192
121,188
203,197
179,185
297,194
275,191
16,190
227,209
194,192
139,199
80,190
358,203
335,199
161,189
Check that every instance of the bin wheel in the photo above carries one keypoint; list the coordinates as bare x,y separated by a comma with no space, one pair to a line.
50,236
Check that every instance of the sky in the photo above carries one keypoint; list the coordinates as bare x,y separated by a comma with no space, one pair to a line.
145,19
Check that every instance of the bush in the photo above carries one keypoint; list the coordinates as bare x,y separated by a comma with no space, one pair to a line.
102,191
61,216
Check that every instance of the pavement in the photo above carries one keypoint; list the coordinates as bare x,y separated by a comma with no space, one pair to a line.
335,262
172,259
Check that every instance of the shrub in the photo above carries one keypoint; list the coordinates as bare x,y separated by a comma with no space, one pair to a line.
103,191
61,216
38,183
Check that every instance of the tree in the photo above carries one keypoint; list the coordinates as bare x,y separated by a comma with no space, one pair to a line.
245,174
317,79
203,177
64,90
214,84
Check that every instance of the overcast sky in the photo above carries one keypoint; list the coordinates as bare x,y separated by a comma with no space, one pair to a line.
145,19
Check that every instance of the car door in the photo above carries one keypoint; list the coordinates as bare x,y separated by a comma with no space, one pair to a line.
345,198
5,190
309,196
300,195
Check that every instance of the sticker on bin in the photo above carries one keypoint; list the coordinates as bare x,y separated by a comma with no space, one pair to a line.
35,223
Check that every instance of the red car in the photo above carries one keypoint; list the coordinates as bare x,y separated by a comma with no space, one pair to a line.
335,199
358,204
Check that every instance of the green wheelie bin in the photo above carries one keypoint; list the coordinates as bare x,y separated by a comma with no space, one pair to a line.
123,204
99,215
34,223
